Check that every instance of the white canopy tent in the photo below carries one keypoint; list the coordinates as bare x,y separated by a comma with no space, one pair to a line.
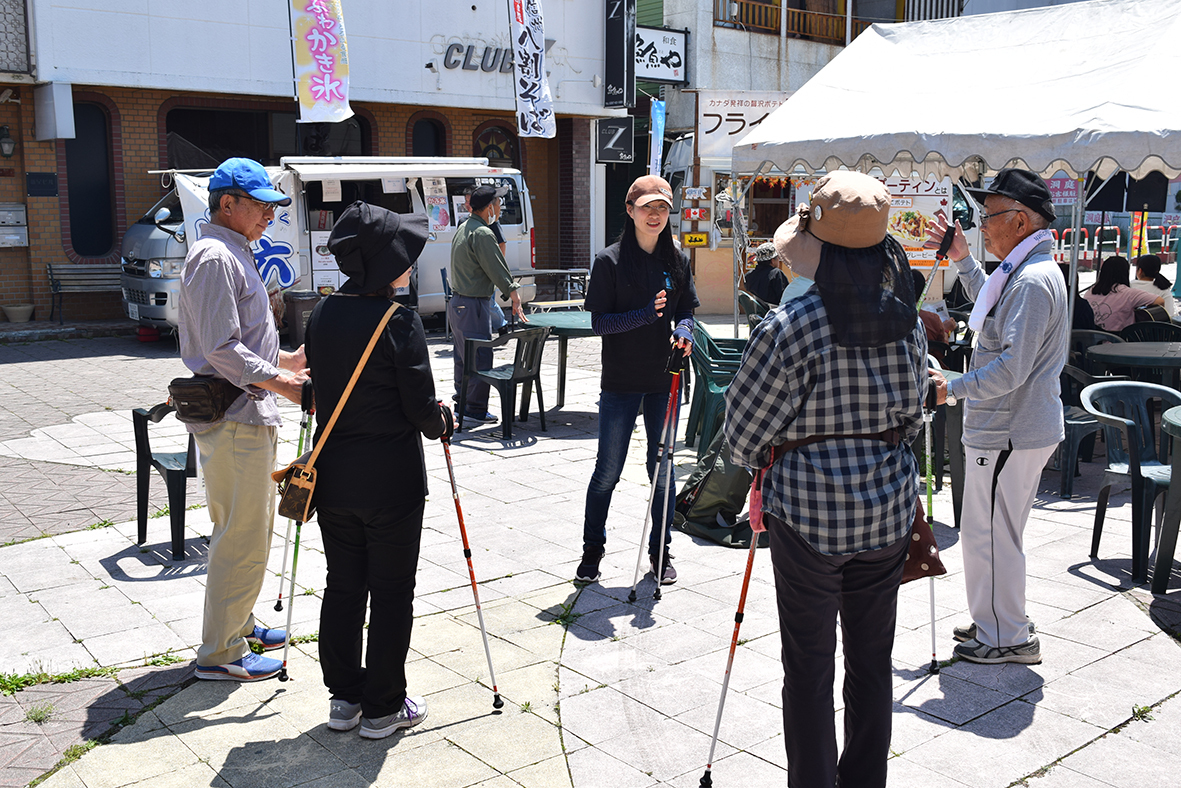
1075,87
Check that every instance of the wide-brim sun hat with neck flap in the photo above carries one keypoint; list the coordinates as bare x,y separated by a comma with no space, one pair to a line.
847,209
374,247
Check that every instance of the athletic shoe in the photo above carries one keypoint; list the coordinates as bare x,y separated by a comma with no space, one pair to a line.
251,667
962,634
487,418
669,575
413,711
269,639
588,570
1028,653
343,716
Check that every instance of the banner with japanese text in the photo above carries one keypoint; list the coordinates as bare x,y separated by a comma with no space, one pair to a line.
535,106
655,136
321,61
724,117
277,253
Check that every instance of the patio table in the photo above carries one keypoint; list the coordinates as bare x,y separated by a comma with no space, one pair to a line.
1163,356
563,325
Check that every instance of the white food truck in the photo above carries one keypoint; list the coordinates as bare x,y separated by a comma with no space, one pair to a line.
293,254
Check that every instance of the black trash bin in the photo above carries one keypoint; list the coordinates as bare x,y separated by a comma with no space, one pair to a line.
299,304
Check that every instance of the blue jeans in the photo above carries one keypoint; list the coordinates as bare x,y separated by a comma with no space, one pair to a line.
617,419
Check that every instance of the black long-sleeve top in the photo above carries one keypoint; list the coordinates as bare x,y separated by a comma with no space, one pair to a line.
373,456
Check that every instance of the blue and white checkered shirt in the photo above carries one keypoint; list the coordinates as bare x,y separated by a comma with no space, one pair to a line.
841,495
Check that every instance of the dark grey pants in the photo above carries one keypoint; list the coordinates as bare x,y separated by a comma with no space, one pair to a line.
811,589
471,318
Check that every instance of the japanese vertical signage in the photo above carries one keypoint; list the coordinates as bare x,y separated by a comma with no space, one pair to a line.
535,106
724,117
277,253
655,136
321,61
619,81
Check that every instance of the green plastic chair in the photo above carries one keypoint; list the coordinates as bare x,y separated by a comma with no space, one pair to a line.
714,363
754,308
1126,412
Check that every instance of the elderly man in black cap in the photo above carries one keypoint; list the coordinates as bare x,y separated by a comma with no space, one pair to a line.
829,408
371,488
1012,412
478,269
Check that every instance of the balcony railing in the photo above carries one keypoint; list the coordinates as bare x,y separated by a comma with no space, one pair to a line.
764,17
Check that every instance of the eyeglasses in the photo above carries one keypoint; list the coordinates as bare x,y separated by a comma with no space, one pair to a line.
266,205
984,219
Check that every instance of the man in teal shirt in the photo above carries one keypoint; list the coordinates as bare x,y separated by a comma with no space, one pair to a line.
478,269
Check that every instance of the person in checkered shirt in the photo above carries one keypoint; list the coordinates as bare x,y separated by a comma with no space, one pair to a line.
828,398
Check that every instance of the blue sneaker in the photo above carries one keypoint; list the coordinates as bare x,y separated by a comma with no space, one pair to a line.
487,418
251,667
269,639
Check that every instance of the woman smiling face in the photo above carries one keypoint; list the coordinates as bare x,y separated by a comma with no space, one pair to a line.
650,219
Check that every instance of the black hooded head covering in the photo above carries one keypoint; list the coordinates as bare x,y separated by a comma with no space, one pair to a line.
868,293
373,246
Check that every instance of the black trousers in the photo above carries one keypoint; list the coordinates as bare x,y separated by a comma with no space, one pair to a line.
372,557
811,589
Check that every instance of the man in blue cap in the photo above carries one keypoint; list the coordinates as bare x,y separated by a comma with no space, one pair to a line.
227,332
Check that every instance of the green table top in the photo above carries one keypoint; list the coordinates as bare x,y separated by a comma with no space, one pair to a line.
564,324
1148,354
1171,421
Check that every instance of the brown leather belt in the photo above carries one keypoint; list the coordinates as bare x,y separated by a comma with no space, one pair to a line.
890,436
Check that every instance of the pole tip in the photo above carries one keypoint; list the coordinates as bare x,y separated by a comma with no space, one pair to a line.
656,593
283,675
631,597
497,703
934,667
278,607
707,780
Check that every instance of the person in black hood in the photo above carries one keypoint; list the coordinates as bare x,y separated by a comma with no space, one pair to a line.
371,488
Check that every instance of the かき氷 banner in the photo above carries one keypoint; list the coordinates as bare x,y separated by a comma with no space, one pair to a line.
321,61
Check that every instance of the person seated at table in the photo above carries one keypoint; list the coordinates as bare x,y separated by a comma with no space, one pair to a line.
766,282
1084,316
1149,279
1113,300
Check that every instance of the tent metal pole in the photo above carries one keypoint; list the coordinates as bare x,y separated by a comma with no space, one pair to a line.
738,229
1079,206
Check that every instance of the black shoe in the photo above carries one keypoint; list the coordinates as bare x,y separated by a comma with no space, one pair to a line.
588,570
667,575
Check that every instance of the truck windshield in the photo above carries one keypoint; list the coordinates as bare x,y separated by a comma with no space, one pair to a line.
351,191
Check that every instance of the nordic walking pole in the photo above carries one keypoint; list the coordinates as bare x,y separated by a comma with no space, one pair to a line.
307,404
707,778
676,362
467,553
928,423
673,393
304,423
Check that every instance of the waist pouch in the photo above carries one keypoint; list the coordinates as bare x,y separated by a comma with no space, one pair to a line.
202,399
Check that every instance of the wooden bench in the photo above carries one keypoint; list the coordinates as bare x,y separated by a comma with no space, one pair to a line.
79,278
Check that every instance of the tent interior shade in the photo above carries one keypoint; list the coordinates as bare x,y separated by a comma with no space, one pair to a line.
1078,87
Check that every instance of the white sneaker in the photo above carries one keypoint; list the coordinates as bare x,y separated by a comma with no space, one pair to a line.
413,711
343,716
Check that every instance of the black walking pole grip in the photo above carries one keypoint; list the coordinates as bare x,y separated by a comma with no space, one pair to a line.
307,397
945,244
676,360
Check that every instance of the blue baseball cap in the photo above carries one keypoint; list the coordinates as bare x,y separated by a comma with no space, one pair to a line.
249,176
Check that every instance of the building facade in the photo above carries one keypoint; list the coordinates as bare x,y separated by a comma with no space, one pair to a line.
103,93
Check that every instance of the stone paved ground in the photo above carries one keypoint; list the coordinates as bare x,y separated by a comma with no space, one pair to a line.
598,691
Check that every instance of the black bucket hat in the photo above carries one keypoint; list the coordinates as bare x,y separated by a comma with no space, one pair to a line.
1023,186
373,246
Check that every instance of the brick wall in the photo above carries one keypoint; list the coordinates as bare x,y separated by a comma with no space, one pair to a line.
138,145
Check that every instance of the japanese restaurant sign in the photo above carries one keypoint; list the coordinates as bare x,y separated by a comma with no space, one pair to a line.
724,117
535,105
321,61
1063,191
915,204
619,61
660,55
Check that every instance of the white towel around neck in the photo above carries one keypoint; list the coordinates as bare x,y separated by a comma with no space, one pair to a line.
991,292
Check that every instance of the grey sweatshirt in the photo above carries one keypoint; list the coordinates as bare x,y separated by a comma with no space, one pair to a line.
1012,388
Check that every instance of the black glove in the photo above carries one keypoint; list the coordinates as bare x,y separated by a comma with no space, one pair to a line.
448,422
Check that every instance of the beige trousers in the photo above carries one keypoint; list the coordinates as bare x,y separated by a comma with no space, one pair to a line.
237,460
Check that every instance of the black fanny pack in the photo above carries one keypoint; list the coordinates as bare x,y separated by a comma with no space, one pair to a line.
202,399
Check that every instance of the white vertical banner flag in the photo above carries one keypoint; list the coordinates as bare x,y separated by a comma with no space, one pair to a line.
321,61
655,136
535,106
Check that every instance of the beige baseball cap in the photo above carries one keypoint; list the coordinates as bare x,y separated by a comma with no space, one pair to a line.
649,188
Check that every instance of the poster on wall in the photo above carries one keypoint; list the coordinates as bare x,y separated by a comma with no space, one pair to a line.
460,209
436,208
535,105
276,253
619,77
724,117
